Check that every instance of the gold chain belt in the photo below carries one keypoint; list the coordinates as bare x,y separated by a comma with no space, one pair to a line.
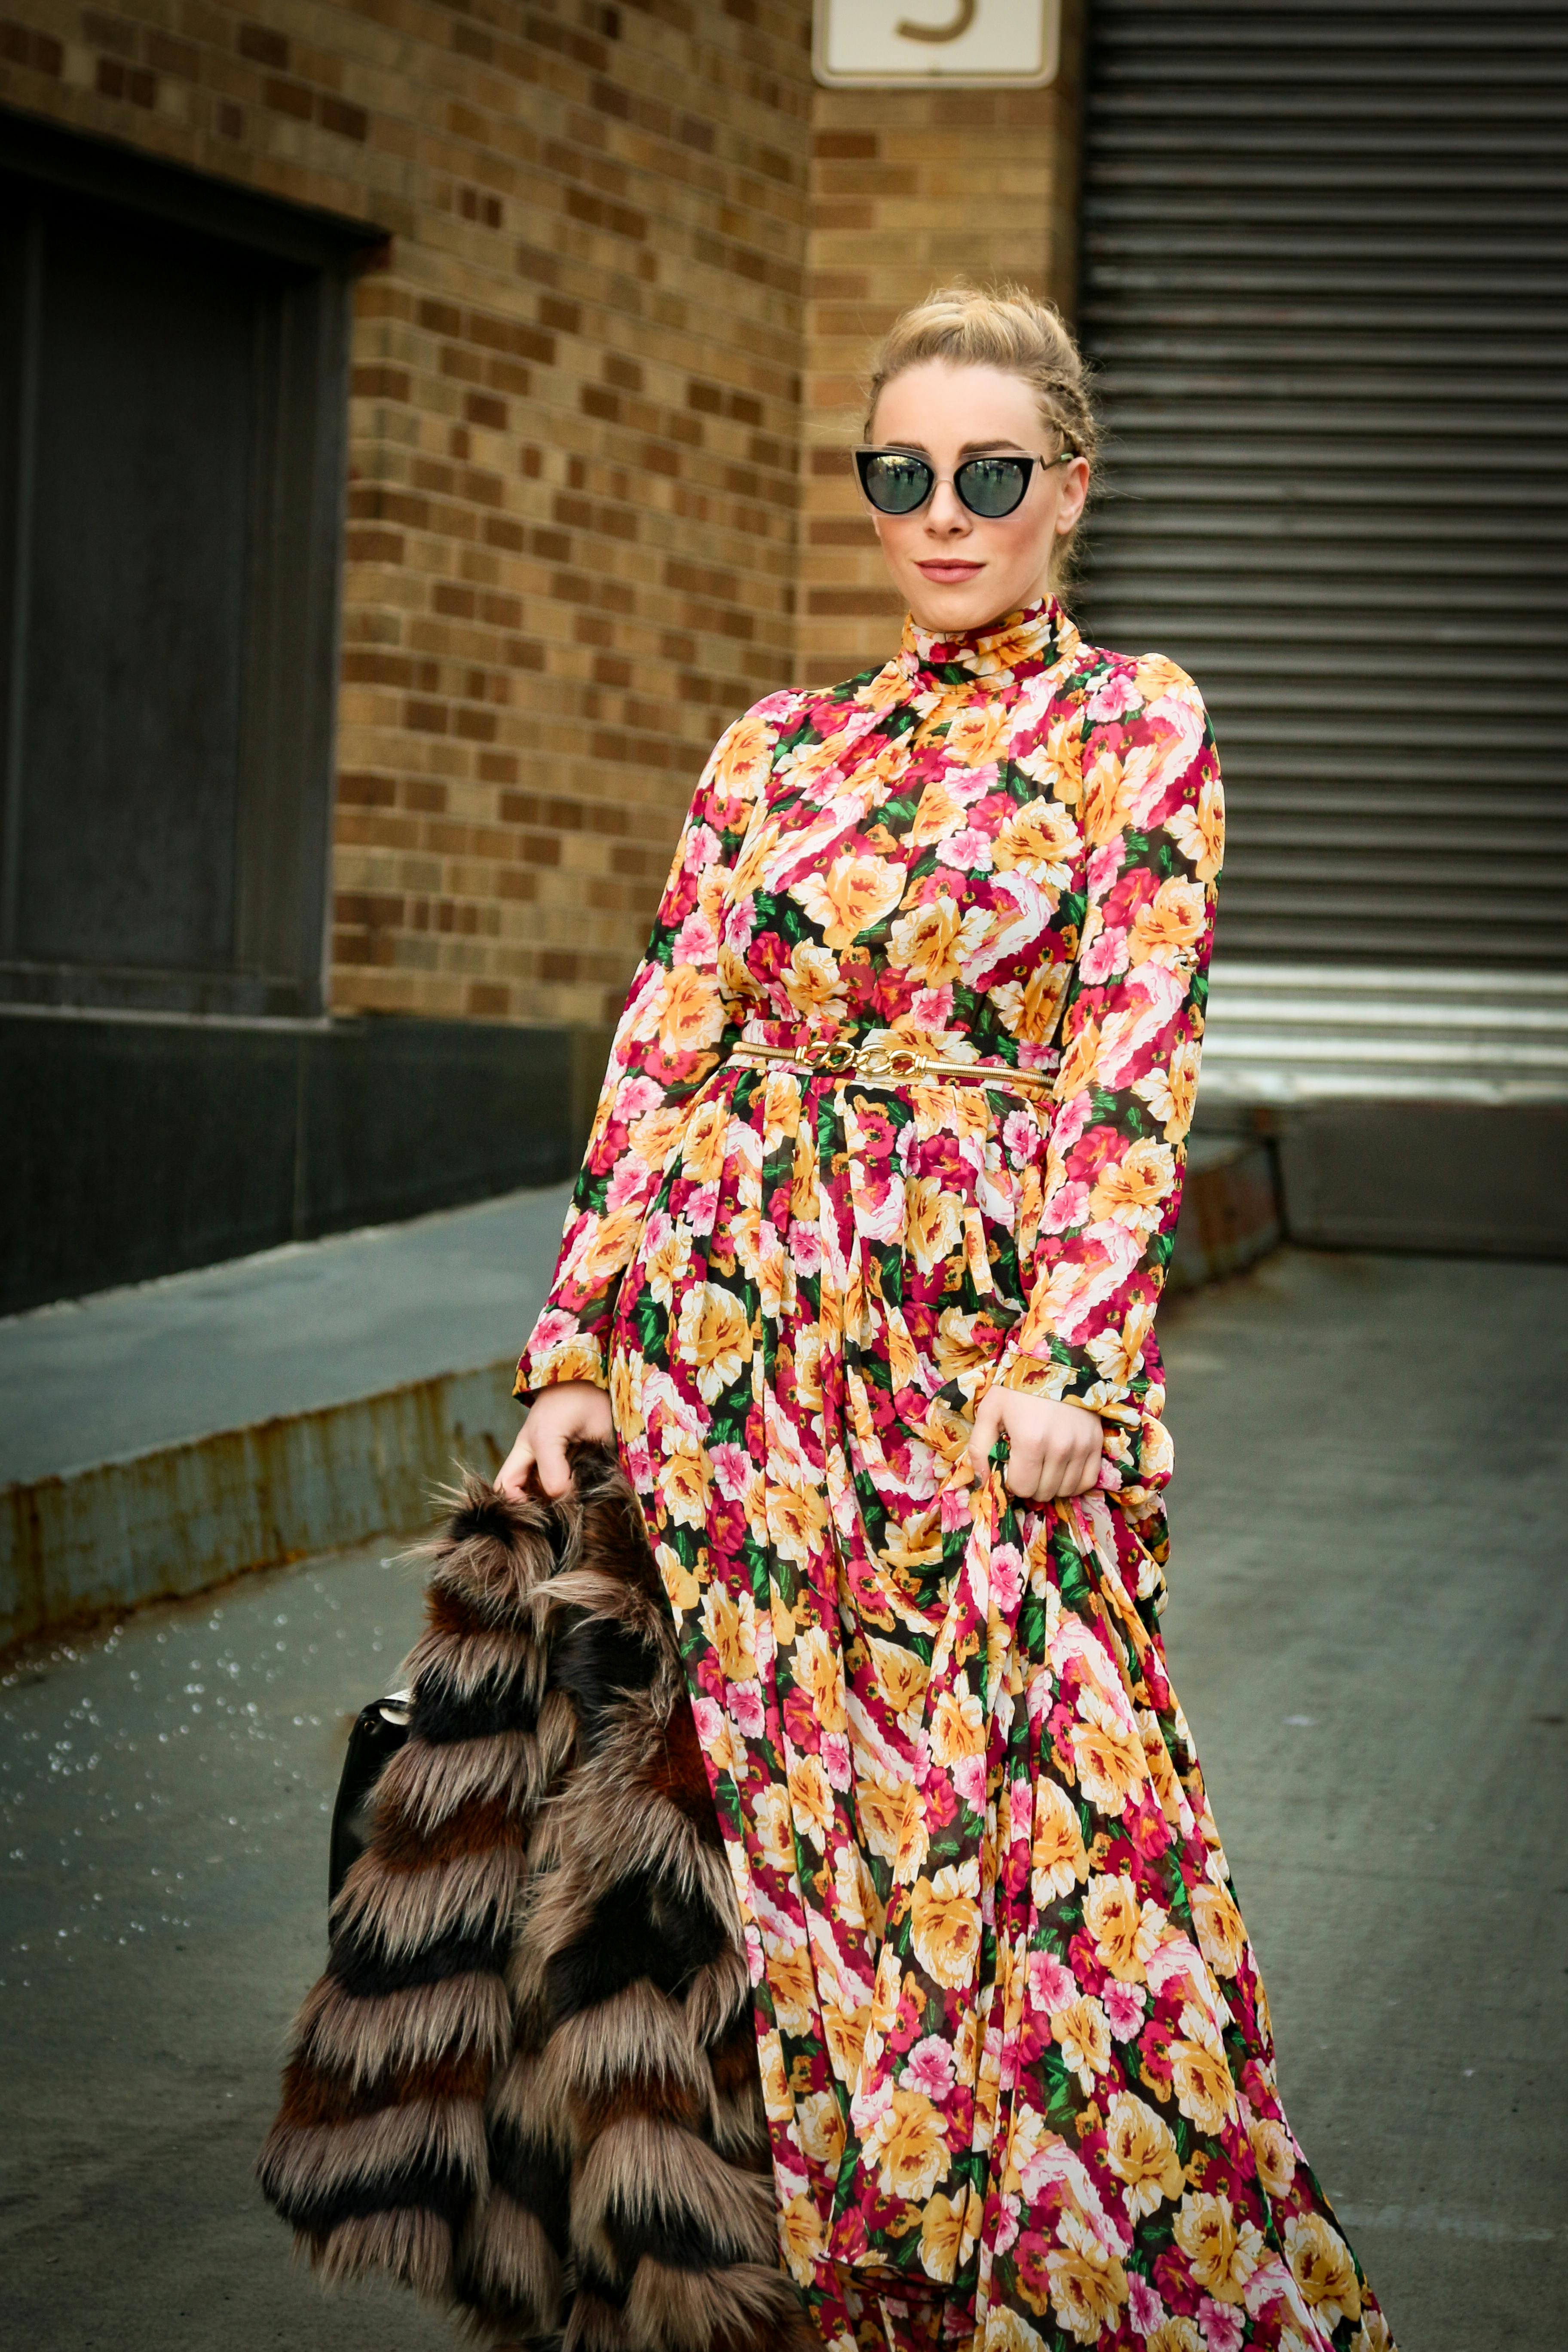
886,1063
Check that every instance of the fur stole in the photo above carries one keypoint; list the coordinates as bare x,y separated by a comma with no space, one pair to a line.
527,2085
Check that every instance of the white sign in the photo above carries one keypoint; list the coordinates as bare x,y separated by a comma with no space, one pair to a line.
967,42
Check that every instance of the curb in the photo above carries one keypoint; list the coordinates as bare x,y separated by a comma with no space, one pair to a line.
173,1520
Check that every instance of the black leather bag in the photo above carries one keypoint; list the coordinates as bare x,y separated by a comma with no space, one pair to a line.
379,1730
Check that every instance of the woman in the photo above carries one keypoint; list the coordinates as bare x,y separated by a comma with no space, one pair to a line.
861,1272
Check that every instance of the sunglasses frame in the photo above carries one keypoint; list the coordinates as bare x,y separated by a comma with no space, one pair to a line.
862,457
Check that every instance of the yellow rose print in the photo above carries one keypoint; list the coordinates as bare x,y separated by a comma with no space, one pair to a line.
1141,2149
852,895
946,1916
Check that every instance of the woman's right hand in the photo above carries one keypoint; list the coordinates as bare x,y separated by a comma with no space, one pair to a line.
569,1409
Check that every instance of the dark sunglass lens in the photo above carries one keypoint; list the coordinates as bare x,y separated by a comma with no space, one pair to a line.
992,485
895,485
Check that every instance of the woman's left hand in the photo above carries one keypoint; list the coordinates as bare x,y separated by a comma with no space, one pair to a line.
1052,1449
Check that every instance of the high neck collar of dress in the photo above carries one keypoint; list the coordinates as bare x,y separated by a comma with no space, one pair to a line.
1021,643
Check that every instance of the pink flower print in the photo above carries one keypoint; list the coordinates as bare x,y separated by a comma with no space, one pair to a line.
1070,1123
1145,2307
732,1468
710,1722
932,1008
740,924
1020,1134
969,852
694,941
1066,1207
1113,697
558,1324
638,1464
699,1208
1105,866
703,850
870,2104
637,1096
1007,1580
756,1963
956,1510
1224,2327
1050,1985
629,1185
836,1759
746,1709
969,1779
1105,955
930,2068
1124,2005
806,1249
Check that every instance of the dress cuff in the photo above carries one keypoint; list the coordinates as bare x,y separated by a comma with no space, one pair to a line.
559,1350
1072,1378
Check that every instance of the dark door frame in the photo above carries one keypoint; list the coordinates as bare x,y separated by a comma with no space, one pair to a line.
292,637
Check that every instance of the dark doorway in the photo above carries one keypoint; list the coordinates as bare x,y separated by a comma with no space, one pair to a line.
171,433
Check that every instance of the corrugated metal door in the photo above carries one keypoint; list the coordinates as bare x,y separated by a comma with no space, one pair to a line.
1326,292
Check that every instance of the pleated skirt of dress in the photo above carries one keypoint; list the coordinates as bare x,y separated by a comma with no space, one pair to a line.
1014,2043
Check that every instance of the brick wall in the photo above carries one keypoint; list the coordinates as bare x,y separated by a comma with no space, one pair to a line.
591,403
909,188
575,431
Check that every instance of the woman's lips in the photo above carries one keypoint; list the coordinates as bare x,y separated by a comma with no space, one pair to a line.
956,571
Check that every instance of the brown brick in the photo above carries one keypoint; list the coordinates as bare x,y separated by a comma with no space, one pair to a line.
347,121
178,57
287,98
374,380
263,47
366,792
843,146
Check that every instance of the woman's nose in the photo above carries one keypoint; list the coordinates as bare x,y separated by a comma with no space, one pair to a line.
946,512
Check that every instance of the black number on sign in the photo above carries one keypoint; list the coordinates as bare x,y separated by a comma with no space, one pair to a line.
908,30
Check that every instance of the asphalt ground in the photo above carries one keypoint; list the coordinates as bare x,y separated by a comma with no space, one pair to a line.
1367,1630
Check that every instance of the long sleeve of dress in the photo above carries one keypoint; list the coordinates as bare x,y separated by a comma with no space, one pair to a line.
679,1021
1153,818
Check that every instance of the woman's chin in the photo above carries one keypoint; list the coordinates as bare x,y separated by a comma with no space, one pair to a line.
948,605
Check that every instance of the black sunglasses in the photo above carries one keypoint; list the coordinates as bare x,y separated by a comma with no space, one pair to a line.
897,482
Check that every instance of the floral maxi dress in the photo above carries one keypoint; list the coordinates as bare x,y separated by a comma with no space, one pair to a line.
1014,2048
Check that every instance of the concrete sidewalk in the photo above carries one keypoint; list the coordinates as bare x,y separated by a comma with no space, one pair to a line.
156,1439
293,1331
1368,1629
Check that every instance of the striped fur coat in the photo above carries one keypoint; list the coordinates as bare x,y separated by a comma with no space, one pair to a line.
527,2085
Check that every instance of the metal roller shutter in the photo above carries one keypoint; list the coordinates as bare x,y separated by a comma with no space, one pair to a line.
1326,294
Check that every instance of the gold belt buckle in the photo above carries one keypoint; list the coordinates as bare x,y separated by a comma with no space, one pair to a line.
833,1055
899,1063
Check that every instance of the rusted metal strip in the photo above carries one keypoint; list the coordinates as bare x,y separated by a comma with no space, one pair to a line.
179,1518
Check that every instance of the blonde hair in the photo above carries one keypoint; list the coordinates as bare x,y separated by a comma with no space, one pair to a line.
1003,327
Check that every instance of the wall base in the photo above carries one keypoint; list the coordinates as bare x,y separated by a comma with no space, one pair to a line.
1454,1178
1459,1179
139,1148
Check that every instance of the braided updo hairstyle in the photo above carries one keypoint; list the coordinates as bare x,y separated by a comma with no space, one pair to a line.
1003,327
